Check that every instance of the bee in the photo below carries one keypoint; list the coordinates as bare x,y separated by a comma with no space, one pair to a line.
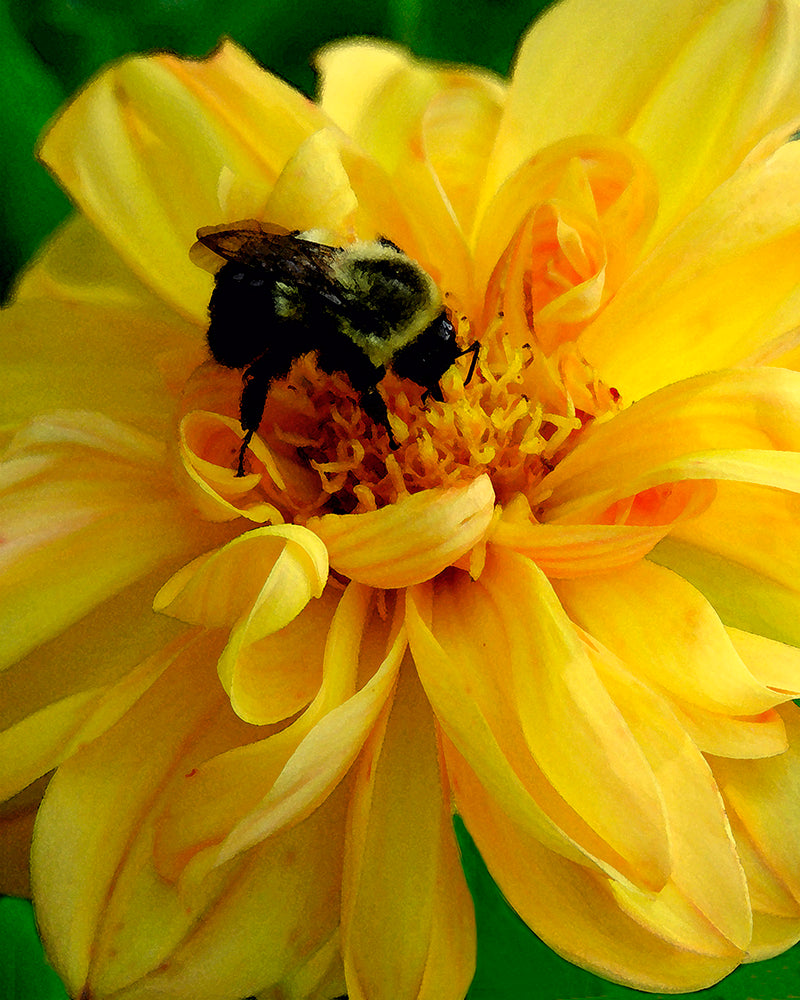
363,308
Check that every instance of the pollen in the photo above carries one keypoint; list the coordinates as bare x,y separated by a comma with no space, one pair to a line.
497,424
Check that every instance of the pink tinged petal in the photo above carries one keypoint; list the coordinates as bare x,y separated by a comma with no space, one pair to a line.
411,540
460,642
576,911
408,928
726,425
667,632
242,797
764,795
87,507
147,148
107,915
710,294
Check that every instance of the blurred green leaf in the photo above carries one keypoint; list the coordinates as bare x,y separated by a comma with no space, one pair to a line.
24,972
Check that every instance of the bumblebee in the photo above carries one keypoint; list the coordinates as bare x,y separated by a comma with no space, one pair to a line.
363,309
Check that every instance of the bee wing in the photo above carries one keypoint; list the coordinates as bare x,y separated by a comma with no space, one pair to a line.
256,243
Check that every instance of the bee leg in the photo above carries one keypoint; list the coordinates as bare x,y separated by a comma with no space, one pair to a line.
475,348
373,404
257,380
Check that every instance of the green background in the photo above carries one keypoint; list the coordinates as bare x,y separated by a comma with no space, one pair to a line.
47,49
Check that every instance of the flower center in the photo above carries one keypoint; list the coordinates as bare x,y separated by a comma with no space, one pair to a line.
318,452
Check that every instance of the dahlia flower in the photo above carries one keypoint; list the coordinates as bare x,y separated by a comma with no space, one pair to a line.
562,602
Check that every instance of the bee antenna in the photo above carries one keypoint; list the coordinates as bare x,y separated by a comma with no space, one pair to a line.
475,348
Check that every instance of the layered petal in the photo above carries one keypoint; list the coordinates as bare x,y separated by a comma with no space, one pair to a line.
87,507
242,797
379,549
693,657
734,425
111,919
510,684
692,932
402,859
696,89
153,145
714,291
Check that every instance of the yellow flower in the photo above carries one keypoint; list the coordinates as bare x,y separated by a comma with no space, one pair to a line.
565,605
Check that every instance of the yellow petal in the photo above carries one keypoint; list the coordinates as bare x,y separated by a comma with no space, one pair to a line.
666,631
411,540
61,333
458,130
172,131
87,507
43,739
708,296
697,125
408,928
765,796
351,74
313,191
775,664
683,432
459,644
706,871
575,911
242,797
266,575
742,554
562,702
761,735
110,919
583,68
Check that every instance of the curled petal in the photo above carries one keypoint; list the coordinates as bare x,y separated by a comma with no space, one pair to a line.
410,541
209,444
242,797
266,575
